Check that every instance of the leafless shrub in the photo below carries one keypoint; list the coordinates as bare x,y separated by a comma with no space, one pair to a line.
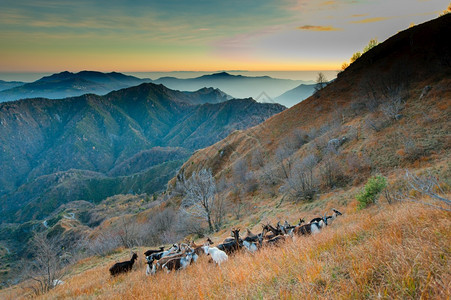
357,164
268,175
250,183
129,233
412,150
375,124
46,269
428,186
313,133
300,137
330,171
352,133
240,170
302,183
357,107
201,199
389,195
105,243
284,160
186,224
258,158
392,108
387,89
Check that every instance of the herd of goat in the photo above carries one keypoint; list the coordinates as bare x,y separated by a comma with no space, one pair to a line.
180,256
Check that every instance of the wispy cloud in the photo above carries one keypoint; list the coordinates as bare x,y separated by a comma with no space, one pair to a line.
319,28
327,3
370,20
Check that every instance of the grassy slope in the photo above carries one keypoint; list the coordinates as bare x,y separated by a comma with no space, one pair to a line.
398,251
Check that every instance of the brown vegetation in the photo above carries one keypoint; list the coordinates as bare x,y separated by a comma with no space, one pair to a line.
380,252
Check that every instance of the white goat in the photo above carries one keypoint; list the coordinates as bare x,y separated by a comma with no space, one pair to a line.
56,282
250,246
217,255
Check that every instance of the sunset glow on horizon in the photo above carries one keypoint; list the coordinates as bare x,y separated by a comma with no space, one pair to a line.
287,35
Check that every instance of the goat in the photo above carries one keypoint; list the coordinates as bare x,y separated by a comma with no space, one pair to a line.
158,264
320,221
217,255
198,251
307,228
229,239
250,238
56,282
250,234
275,241
251,244
329,219
287,228
179,263
159,255
152,251
123,267
274,232
232,246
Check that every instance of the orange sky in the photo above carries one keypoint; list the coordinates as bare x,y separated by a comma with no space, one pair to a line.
143,35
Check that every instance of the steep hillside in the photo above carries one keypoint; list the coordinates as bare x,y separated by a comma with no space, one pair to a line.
67,84
389,109
106,134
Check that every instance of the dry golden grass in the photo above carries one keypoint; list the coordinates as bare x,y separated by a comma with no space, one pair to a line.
400,251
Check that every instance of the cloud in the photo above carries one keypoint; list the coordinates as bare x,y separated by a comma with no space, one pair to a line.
370,20
359,15
326,3
319,28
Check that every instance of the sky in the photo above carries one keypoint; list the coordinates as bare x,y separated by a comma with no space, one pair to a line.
175,35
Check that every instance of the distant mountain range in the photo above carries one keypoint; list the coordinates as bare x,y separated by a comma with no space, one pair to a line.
4,85
236,85
91,147
67,84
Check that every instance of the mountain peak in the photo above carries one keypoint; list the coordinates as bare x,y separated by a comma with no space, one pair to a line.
220,75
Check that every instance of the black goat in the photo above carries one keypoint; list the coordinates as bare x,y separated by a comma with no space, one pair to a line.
152,251
123,267
232,246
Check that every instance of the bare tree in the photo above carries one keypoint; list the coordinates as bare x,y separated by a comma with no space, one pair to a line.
45,270
200,196
128,233
284,158
302,182
321,82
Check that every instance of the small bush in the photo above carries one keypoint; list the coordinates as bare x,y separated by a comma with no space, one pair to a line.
372,189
